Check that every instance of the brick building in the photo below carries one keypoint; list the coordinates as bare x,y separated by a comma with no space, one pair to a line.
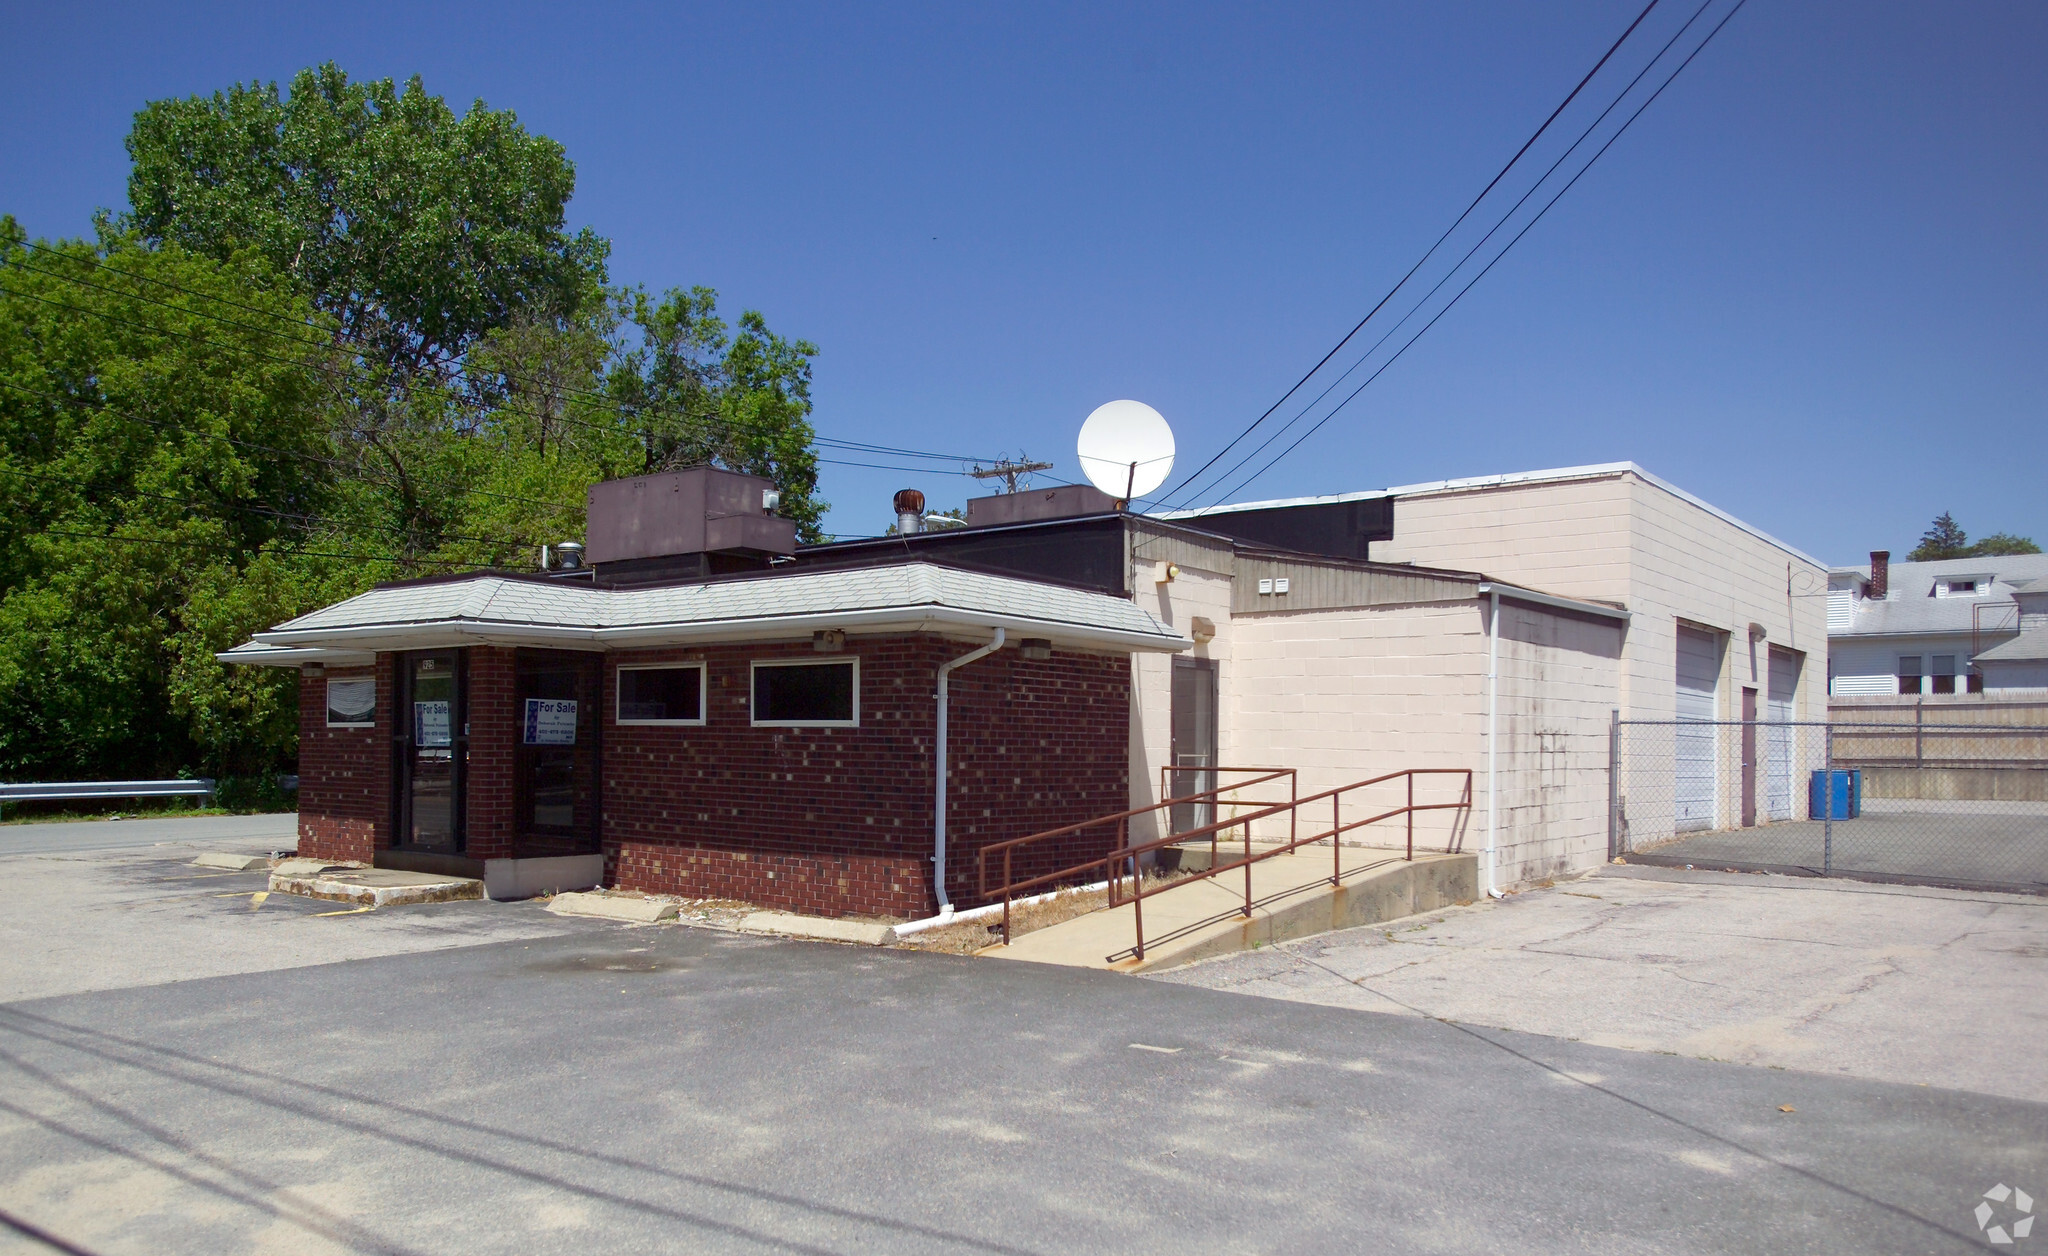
706,708
770,737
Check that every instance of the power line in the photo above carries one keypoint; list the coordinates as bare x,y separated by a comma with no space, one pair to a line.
1503,252
102,408
701,427
1501,174
1506,217
289,518
159,541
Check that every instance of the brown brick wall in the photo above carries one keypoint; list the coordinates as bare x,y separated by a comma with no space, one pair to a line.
839,821
493,718
344,773
831,821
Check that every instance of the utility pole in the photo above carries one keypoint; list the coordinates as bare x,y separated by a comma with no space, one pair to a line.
1008,471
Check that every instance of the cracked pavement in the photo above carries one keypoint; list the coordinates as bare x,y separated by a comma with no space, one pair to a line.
1890,983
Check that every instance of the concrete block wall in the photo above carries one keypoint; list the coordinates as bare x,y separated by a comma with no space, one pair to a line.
838,821
1616,536
1344,695
344,773
1559,684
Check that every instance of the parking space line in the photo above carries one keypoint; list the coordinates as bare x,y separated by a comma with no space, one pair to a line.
353,911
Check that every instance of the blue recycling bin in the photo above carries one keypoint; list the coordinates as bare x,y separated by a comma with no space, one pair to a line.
1843,788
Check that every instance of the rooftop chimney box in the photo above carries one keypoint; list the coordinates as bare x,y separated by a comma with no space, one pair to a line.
1032,504
698,510
1880,574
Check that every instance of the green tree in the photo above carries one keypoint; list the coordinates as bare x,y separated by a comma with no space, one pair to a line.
697,392
418,232
162,481
2003,543
415,230
1943,539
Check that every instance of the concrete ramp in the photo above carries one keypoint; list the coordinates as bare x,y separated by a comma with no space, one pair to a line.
1183,924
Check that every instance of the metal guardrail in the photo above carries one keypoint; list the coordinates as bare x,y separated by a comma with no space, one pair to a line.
60,790
1012,887
1123,863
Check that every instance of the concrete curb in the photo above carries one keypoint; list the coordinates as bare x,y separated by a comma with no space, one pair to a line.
632,911
792,926
231,863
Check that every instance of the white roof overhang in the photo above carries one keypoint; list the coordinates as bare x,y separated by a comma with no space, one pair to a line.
913,597
432,634
295,656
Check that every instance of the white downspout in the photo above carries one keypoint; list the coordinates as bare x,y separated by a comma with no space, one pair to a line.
939,799
1492,743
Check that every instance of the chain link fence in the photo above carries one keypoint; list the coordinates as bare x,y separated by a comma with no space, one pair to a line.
1952,803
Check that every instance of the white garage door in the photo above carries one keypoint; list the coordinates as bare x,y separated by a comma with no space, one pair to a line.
1779,779
1696,782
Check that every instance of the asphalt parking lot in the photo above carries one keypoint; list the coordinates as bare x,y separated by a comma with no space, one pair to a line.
1981,845
485,1077
1907,984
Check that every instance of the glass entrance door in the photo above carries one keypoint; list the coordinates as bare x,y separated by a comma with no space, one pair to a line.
431,752
555,764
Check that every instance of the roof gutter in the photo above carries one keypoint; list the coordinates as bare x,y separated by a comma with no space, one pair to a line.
939,788
1515,593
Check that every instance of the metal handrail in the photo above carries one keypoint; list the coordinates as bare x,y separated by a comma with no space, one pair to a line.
1011,887
1127,857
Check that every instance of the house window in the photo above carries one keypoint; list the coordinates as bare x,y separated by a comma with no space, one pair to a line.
666,694
807,694
352,703
1976,681
1944,673
1909,673
1956,587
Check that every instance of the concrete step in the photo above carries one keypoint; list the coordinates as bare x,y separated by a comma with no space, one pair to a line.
371,887
1378,885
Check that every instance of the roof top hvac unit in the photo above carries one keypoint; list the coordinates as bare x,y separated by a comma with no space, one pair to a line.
681,525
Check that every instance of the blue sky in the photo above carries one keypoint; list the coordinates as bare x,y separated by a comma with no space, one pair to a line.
1807,285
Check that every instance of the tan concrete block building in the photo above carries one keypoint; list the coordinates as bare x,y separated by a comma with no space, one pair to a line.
1659,607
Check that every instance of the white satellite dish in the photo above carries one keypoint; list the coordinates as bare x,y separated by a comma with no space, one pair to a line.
1126,449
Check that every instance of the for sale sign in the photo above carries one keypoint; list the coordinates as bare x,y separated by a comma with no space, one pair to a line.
550,722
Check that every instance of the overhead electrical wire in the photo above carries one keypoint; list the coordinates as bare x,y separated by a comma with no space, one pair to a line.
1430,252
1538,217
599,399
1506,217
289,518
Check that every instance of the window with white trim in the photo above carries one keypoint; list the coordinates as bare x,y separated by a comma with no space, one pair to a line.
352,703
661,693
807,694
1909,673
